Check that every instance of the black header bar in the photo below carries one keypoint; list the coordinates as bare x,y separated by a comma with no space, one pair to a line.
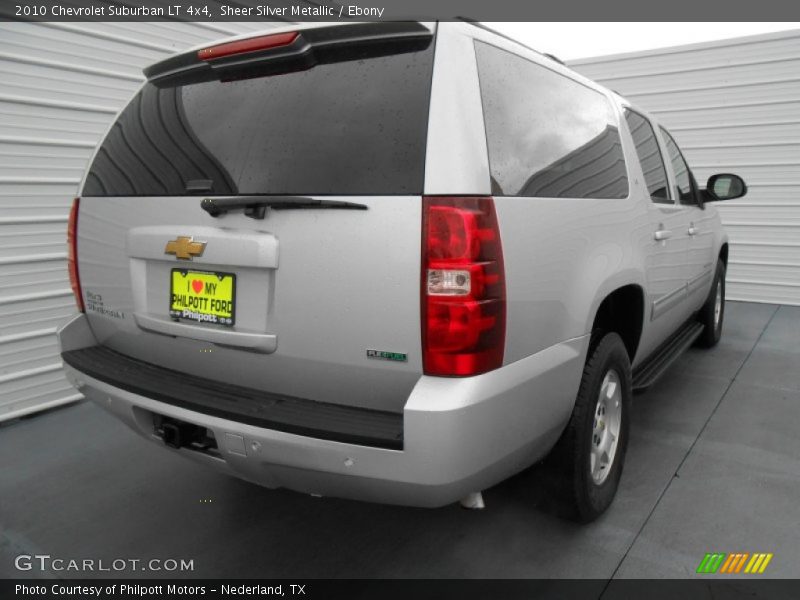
397,10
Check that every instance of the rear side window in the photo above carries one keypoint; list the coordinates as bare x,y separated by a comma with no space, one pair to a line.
644,139
353,127
548,135
683,180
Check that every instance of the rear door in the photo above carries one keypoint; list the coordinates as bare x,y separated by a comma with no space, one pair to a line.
667,250
313,300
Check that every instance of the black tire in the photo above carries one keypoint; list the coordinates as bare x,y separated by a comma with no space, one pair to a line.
581,498
712,327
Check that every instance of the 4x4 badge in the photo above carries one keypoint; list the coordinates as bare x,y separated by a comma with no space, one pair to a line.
184,248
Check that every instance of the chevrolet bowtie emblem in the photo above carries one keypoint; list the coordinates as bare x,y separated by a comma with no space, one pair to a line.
184,248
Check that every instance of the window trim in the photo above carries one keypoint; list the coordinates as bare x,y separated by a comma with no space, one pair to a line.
671,200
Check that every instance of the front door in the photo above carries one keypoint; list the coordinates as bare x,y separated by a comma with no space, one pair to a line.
700,261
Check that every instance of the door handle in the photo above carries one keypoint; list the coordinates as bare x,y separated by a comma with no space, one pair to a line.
692,230
662,234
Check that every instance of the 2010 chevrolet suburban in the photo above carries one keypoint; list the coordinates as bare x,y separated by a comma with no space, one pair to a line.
393,262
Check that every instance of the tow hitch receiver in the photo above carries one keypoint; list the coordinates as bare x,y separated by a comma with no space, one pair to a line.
178,434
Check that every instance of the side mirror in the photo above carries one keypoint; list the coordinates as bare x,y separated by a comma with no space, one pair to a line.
724,186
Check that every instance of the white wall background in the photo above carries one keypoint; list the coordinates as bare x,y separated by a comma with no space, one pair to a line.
732,105
60,86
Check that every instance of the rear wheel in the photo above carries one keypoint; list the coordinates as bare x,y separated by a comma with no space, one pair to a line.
590,454
713,312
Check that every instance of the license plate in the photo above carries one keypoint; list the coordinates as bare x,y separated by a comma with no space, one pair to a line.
202,296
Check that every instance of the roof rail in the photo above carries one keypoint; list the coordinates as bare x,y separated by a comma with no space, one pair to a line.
555,58
480,25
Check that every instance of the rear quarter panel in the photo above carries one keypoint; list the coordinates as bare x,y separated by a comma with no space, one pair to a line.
563,256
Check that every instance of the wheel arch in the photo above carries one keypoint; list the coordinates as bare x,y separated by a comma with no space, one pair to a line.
723,253
621,310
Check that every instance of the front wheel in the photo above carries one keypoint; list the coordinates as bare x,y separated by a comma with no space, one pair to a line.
713,312
591,451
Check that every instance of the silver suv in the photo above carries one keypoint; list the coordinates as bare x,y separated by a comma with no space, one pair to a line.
393,262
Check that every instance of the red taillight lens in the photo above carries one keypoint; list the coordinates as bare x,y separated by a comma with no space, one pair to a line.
463,286
72,254
264,42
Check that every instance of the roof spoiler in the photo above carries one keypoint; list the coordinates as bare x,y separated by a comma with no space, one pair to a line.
285,52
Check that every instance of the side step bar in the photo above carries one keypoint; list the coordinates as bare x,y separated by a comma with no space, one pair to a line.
658,362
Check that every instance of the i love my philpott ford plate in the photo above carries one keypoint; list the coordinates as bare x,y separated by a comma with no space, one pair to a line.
202,296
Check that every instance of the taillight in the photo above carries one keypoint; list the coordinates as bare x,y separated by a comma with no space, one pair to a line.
72,254
463,286
264,42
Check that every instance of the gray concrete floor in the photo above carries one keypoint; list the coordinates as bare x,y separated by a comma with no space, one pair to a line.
713,466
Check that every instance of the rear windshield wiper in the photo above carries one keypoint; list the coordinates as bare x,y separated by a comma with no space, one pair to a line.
256,206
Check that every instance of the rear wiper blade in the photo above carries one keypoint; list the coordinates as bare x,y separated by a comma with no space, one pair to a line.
256,206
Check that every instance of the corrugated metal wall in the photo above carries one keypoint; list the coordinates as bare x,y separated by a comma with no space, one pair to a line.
60,86
732,105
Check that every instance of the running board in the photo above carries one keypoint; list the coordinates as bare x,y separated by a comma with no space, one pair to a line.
658,362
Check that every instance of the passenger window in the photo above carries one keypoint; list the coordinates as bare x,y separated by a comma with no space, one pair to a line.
644,139
548,135
683,179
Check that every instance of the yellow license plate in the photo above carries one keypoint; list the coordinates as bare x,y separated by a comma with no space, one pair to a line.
202,296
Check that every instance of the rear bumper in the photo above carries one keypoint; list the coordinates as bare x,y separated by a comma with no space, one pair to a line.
459,435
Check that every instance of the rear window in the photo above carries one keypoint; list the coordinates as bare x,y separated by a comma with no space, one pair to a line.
354,127
548,135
